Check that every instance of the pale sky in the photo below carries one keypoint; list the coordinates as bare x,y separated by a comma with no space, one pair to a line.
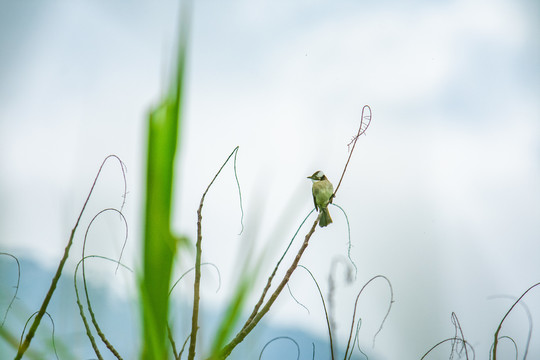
442,194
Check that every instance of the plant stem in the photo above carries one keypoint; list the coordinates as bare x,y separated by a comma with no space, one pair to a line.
24,346
196,287
226,351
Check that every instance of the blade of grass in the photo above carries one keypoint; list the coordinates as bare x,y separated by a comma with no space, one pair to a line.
159,245
233,313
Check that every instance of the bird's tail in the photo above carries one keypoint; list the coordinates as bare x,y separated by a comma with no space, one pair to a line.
325,217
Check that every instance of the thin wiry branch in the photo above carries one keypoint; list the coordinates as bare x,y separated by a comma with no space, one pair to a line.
458,328
271,277
296,300
257,312
53,327
24,346
349,240
529,318
325,311
170,334
173,344
90,310
197,282
89,334
183,347
356,304
225,352
453,340
357,340
365,120
282,338
79,304
513,342
16,286
193,268
496,336
239,193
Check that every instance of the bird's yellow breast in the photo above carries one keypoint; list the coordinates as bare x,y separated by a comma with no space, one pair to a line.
322,191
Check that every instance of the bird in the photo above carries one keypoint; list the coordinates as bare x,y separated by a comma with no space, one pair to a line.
323,192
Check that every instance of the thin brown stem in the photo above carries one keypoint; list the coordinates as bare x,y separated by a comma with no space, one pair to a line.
100,333
457,325
16,286
365,120
226,351
173,344
197,282
31,332
196,286
496,340
453,339
356,304
269,281
325,311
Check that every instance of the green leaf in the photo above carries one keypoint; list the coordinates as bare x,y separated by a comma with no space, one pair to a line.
159,244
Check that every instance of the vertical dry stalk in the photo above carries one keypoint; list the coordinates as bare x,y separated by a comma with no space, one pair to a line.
197,282
226,351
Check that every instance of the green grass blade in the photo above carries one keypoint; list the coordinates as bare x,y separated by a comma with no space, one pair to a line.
159,247
232,316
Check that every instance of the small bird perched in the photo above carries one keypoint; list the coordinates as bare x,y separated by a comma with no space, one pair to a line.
322,195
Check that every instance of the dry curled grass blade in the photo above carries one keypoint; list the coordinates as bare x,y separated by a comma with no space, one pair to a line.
16,287
356,304
198,245
90,310
496,336
31,332
102,336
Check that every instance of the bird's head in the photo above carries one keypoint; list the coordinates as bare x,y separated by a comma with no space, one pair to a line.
317,176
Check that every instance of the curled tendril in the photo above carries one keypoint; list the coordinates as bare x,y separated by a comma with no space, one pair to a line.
458,338
16,286
357,338
453,340
356,304
193,268
496,336
53,328
349,241
282,338
457,327
513,342
125,236
296,300
365,120
33,328
529,318
90,310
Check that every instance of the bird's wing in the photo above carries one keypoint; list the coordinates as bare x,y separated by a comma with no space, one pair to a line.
315,202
